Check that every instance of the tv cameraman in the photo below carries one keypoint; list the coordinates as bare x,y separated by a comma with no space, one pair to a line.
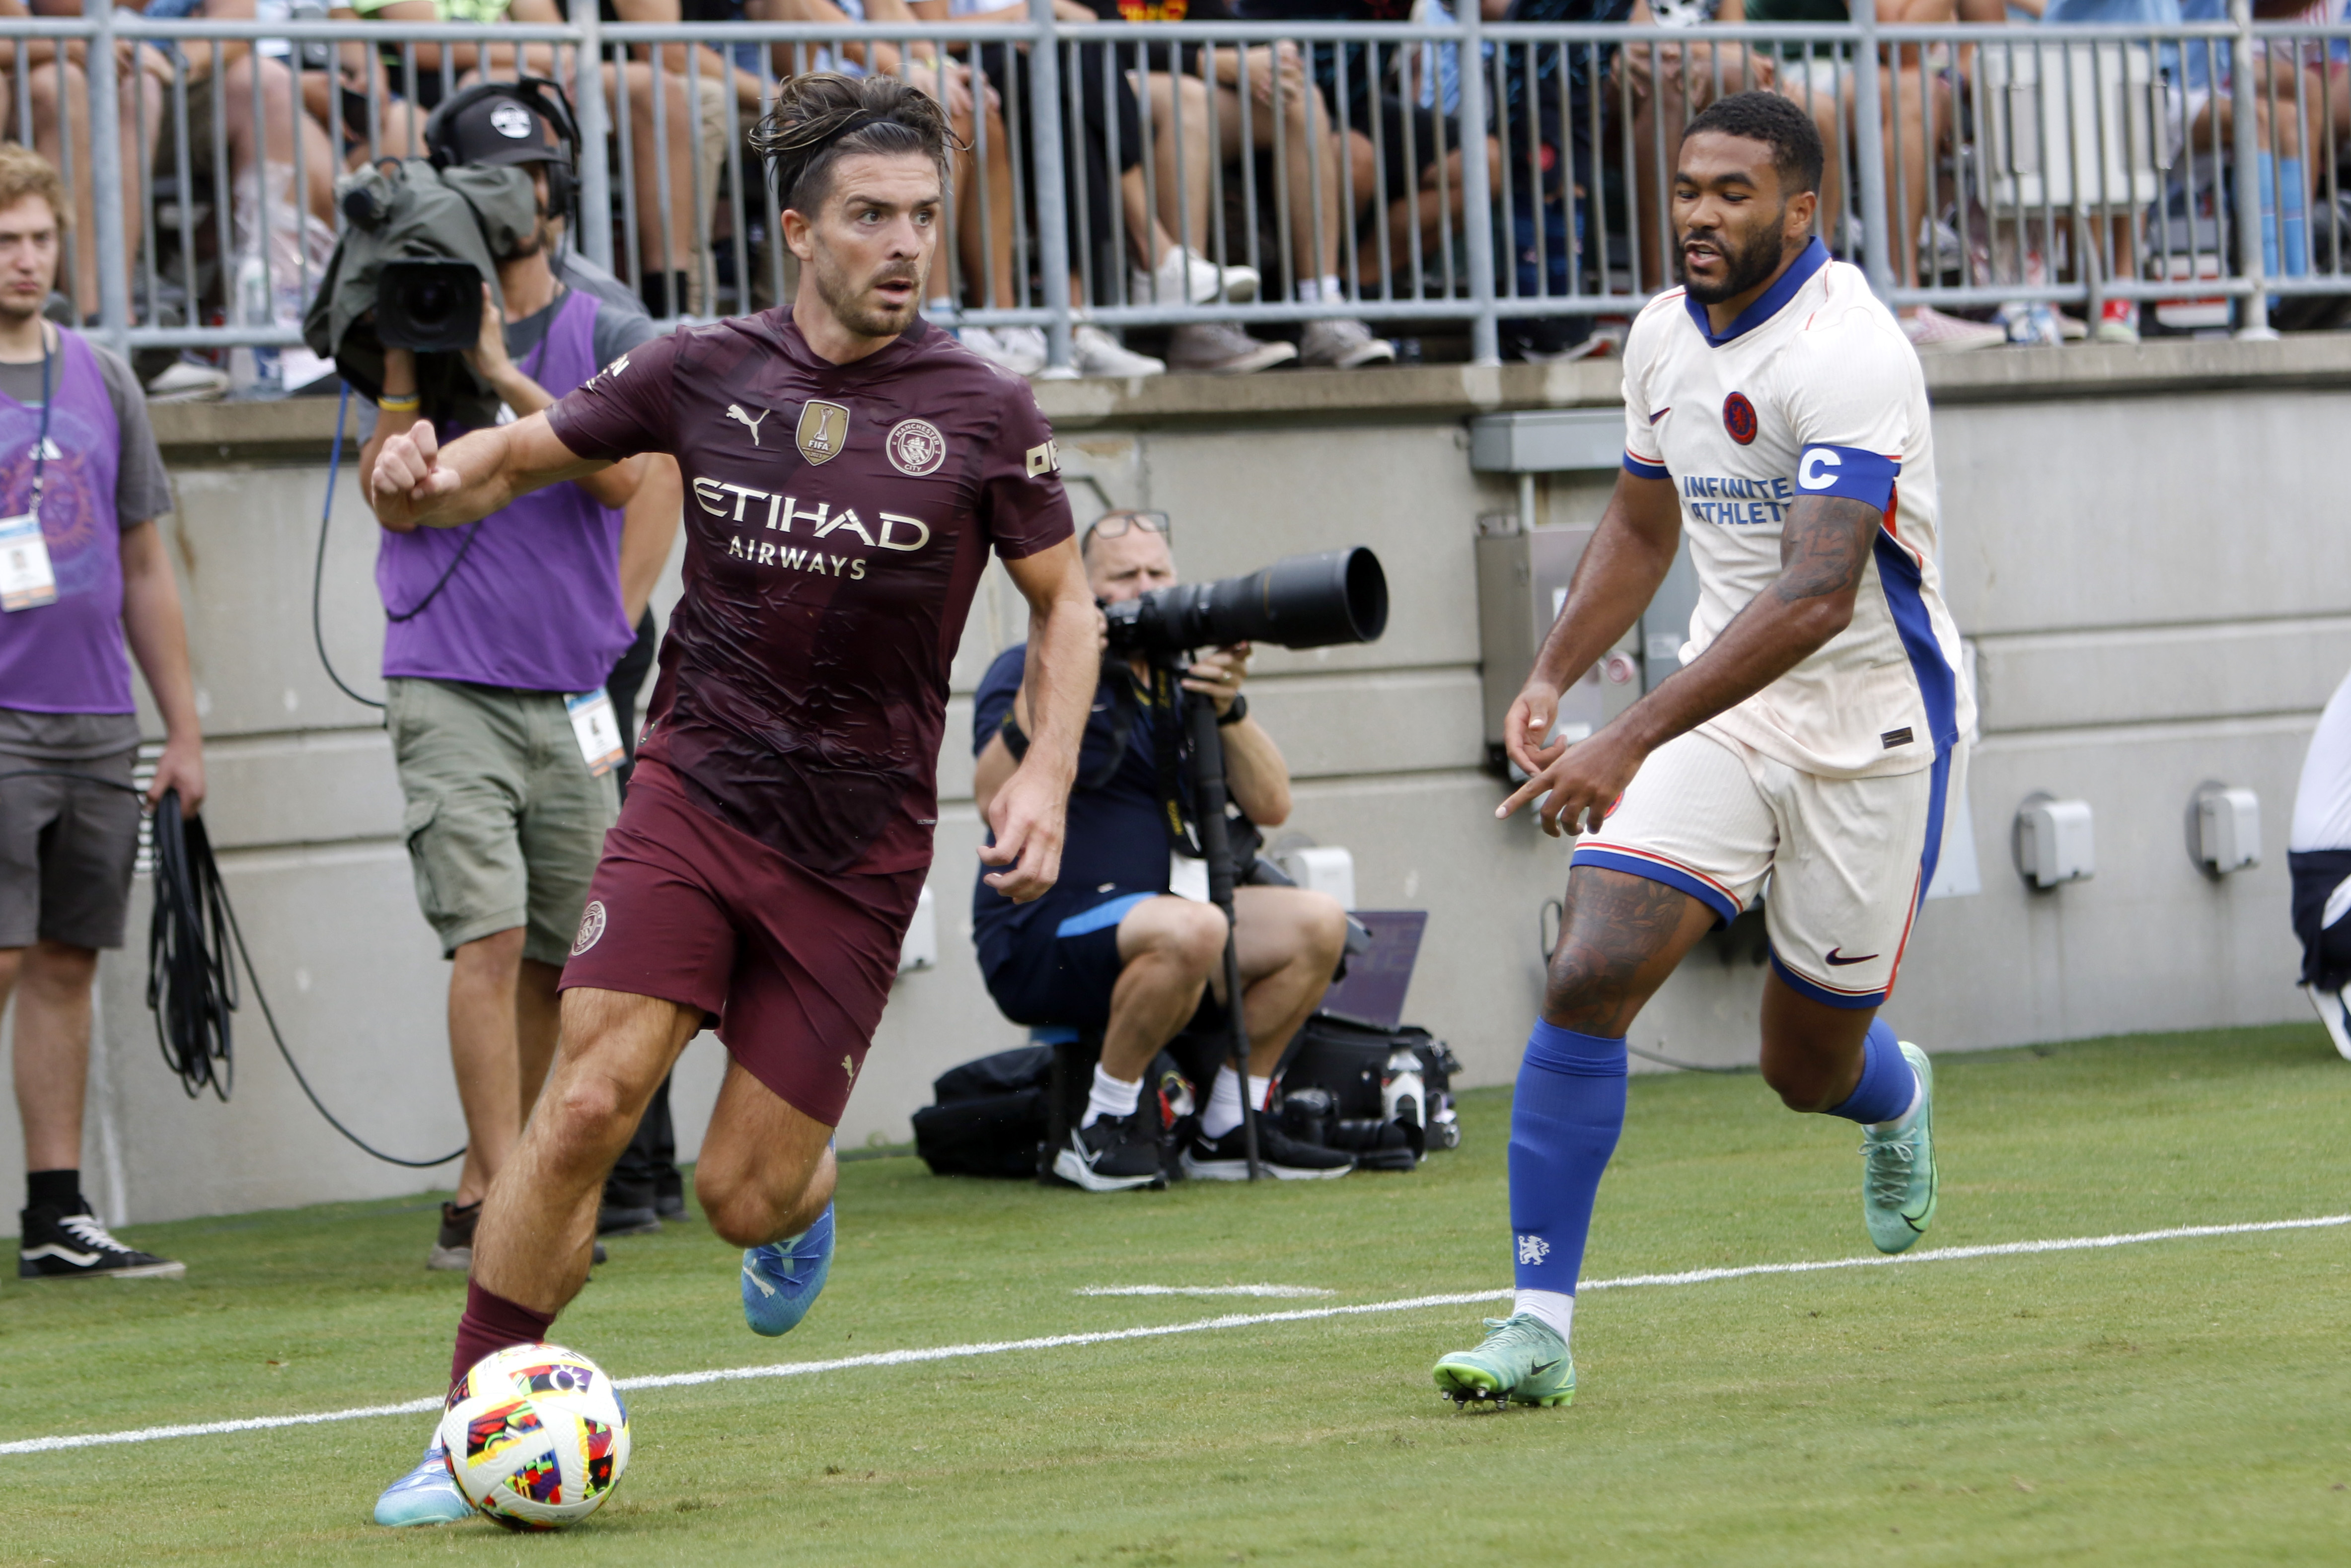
503,636
1111,947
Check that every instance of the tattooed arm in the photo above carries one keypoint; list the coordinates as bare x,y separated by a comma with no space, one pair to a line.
1824,550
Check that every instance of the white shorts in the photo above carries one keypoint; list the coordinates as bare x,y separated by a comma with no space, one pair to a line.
1848,859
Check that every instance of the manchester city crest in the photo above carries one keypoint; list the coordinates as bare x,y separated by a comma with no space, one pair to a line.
916,447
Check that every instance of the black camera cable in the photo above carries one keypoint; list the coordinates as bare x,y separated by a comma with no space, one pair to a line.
191,984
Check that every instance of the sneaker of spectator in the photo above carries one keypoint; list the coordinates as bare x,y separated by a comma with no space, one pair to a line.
2118,322
1094,352
187,380
1020,349
1185,277
2030,325
1932,332
1342,343
1222,349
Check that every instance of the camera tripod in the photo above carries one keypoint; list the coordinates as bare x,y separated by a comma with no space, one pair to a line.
1217,848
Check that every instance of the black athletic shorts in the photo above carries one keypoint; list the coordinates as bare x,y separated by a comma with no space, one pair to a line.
1059,962
2325,951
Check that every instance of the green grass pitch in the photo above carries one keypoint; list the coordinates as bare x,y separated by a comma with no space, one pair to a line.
2184,1401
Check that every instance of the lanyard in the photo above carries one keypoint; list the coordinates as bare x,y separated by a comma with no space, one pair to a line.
41,441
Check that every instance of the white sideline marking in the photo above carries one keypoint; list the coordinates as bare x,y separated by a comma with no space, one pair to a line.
1279,1291
1199,1325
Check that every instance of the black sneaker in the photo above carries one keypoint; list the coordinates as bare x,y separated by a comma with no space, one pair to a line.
1277,1155
1115,1154
627,1220
53,1246
452,1248
669,1194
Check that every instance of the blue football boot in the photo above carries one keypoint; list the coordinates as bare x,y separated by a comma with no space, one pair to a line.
425,1495
780,1280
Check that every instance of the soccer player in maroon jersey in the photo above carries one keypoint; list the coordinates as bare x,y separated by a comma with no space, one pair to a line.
851,466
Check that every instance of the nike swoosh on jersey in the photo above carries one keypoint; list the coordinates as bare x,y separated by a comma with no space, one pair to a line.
1836,955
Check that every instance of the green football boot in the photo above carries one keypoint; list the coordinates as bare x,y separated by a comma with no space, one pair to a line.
1897,1173
1523,1360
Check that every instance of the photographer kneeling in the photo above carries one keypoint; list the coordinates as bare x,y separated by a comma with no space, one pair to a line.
1111,947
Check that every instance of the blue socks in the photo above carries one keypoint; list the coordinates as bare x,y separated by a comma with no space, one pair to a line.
1887,1085
1564,1122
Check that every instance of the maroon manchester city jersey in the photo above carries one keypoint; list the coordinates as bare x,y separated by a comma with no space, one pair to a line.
837,522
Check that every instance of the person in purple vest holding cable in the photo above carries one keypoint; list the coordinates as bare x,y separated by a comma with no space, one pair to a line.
502,636
81,565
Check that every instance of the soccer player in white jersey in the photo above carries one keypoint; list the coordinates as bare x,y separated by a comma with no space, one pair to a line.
1776,417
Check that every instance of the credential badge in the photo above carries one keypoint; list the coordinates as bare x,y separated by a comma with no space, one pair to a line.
823,431
916,447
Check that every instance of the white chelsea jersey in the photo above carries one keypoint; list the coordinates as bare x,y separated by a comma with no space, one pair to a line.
1814,391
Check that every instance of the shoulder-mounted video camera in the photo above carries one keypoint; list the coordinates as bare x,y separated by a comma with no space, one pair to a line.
425,234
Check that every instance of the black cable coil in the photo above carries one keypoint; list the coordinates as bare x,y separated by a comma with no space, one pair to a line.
190,986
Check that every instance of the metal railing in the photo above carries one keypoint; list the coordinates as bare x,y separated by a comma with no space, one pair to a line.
1980,166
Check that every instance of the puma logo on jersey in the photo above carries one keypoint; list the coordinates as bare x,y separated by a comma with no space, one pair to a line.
850,1068
735,412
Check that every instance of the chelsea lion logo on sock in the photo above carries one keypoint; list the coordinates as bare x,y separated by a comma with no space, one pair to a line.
1533,1249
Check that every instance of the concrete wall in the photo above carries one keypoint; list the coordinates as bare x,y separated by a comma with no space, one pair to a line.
2141,547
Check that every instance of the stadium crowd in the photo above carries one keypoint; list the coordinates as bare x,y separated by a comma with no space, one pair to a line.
1351,153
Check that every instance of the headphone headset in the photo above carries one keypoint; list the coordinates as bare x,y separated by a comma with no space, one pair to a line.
541,97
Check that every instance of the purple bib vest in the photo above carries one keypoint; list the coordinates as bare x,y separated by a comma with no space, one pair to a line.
67,658
536,603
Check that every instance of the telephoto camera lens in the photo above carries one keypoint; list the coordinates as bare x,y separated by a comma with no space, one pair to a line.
1306,601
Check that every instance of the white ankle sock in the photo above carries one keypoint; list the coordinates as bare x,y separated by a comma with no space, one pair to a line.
1110,1097
1224,1109
1311,290
1917,1098
1556,1308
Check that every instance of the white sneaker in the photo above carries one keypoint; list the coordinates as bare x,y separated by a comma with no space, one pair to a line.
1094,352
1018,350
1342,344
1222,349
1932,332
1185,277
2335,1012
185,380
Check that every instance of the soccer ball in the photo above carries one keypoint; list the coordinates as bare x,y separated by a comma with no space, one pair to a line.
537,1437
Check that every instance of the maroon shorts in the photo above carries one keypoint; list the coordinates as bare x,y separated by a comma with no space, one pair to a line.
793,967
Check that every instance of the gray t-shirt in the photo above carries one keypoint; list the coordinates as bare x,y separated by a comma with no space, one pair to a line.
143,491
621,325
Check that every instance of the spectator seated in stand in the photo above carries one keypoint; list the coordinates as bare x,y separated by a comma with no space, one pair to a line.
57,113
1111,225
1113,948
1196,115
686,153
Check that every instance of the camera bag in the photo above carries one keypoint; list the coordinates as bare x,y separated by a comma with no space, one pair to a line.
1334,1073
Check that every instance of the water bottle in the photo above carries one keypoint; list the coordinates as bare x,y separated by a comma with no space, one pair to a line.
1402,1091
253,372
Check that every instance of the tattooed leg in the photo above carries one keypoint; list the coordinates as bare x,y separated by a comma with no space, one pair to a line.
1622,936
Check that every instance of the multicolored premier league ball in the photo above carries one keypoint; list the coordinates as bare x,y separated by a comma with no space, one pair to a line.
537,1437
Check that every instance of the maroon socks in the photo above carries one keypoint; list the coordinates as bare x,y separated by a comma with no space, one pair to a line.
491,1323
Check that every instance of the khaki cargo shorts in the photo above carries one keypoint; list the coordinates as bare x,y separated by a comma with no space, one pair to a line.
503,823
